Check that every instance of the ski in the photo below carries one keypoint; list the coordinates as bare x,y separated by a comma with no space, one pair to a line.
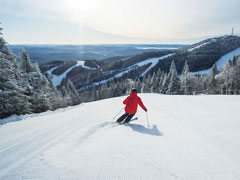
116,123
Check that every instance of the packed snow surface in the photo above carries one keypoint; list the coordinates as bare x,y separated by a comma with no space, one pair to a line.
189,138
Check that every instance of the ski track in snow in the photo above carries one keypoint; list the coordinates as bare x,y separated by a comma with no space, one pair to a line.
190,137
198,46
57,79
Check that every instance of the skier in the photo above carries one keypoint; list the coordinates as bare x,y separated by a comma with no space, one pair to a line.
131,102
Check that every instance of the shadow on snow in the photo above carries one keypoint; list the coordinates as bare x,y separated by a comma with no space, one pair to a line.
141,129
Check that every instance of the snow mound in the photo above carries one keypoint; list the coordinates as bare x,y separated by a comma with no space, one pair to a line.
190,137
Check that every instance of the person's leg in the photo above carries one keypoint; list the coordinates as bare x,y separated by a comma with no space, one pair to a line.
129,117
119,120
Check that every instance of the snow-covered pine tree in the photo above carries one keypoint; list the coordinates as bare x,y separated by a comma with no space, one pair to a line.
146,84
212,86
161,79
174,85
49,78
229,77
156,82
153,83
138,85
42,96
94,93
13,98
184,79
238,75
72,93
104,92
144,88
129,84
26,65
166,80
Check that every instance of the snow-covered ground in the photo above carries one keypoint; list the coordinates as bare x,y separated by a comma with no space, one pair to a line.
57,79
222,61
189,138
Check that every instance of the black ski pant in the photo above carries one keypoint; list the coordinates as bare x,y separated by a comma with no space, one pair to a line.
127,117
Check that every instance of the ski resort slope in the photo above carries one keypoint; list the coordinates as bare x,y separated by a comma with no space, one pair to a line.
189,138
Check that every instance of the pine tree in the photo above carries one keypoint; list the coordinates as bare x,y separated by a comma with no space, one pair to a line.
94,93
185,86
75,99
26,64
12,94
161,78
174,85
138,85
165,83
49,78
155,82
212,84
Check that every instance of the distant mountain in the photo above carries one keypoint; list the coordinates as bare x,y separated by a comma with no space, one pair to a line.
86,73
200,56
46,53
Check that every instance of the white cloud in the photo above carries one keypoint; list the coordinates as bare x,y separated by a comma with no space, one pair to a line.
152,19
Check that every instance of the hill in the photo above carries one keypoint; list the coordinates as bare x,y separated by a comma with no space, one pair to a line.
45,53
200,57
190,137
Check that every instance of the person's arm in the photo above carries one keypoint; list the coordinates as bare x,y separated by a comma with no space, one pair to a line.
141,104
126,100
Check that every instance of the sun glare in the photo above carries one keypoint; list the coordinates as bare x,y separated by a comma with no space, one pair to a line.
80,5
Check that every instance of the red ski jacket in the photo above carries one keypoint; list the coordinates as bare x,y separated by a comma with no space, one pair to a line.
132,102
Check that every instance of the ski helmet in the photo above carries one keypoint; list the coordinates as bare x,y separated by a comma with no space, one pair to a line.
134,90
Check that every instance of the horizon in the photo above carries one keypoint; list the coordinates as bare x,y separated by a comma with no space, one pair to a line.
98,44
102,44
118,22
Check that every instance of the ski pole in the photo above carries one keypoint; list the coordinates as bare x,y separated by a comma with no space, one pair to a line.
118,113
147,119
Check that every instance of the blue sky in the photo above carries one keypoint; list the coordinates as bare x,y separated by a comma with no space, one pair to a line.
116,21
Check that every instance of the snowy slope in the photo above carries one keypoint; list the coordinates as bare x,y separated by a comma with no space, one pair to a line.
198,46
57,79
222,61
190,138
229,56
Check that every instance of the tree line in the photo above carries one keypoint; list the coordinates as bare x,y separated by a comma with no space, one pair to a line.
224,81
24,89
